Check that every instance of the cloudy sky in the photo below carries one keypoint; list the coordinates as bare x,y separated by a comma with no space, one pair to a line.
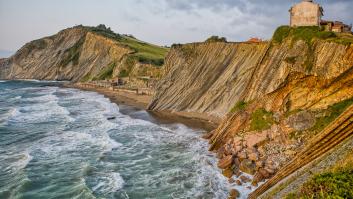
156,21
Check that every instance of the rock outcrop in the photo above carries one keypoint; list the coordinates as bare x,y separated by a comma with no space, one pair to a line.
207,78
272,96
76,54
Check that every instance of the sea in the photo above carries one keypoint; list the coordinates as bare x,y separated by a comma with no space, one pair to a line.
58,143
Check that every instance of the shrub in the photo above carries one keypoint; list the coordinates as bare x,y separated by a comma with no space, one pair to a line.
239,106
281,33
335,111
216,39
291,60
124,73
107,72
261,120
330,185
307,34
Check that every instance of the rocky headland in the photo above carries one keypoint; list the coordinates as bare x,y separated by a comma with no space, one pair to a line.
275,103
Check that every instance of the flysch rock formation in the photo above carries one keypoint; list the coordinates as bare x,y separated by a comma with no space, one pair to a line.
73,54
207,78
272,96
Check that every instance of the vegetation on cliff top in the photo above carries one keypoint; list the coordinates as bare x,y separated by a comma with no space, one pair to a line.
216,39
309,34
143,52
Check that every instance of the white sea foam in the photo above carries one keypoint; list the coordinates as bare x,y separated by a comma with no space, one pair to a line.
17,161
108,183
1,81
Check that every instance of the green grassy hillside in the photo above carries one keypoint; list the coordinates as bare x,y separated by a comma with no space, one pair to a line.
144,52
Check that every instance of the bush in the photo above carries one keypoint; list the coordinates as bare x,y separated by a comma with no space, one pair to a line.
216,39
335,111
107,72
261,120
239,106
290,60
124,73
307,33
281,33
330,185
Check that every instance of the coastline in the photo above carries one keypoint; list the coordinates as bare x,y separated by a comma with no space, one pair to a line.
132,102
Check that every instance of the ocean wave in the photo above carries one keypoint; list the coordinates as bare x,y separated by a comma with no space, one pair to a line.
16,162
108,183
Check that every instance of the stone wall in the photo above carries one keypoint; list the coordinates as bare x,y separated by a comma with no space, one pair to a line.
305,14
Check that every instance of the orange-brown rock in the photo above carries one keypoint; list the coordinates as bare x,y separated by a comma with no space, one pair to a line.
244,179
234,194
265,173
228,172
248,166
238,182
226,162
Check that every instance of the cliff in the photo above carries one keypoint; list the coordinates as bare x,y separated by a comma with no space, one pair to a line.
207,78
273,96
80,54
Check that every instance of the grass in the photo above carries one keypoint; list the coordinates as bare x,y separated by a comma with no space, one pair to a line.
261,120
281,33
216,39
310,34
239,106
290,60
143,52
106,73
336,182
335,111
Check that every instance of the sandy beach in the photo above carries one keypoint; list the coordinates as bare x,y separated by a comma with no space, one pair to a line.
130,102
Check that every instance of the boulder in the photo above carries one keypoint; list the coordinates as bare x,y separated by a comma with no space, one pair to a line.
234,194
254,156
226,162
238,148
237,173
301,121
258,177
270,170
238,182
248,166
220,153
254,183
256,139
264,173
228,172
242,155
231,180
236,162
244,179
259,164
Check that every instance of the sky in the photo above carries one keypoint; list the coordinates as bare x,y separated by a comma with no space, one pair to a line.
161,22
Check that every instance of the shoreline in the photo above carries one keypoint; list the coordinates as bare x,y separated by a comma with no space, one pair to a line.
132,102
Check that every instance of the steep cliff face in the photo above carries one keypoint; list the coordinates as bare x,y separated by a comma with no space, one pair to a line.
75,54
207,78
210,78
274,96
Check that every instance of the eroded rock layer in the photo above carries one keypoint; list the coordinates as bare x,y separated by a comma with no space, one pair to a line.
82,54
